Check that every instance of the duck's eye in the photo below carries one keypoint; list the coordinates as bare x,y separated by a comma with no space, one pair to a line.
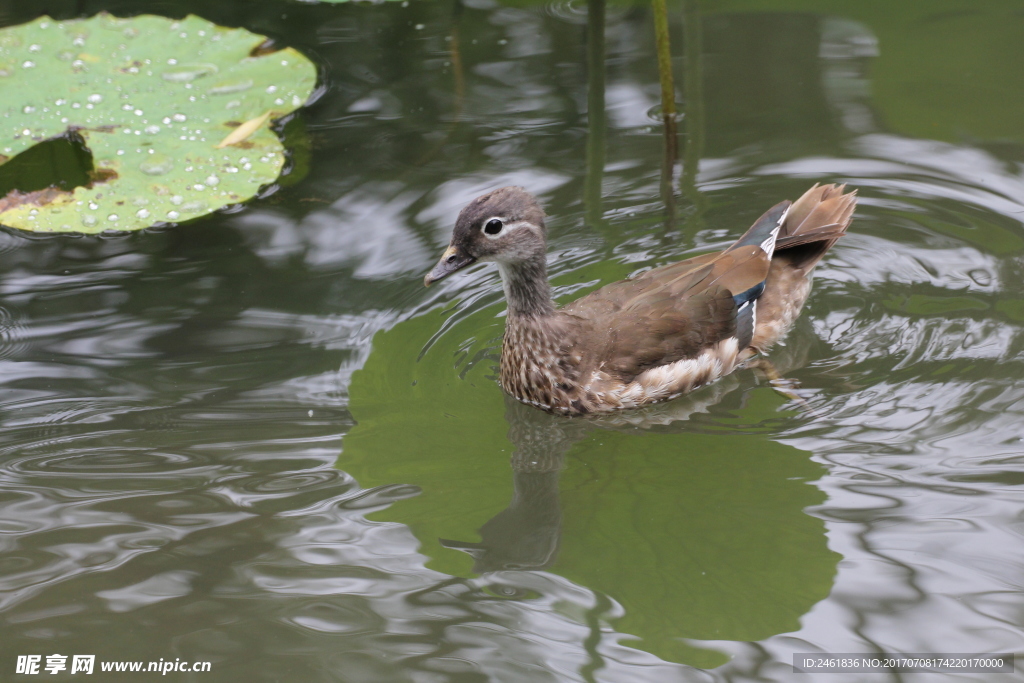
493,226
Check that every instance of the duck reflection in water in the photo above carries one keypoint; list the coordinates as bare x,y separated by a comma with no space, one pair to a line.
527,534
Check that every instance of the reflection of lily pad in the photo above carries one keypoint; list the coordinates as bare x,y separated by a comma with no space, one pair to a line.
696,535
151,98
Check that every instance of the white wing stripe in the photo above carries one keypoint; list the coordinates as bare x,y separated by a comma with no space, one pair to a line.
768,246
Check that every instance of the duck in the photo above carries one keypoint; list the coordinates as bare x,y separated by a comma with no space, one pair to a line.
658,334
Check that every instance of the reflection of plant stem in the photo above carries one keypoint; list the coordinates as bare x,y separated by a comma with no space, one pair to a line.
596,121
455,56
693,94
668,105
596,617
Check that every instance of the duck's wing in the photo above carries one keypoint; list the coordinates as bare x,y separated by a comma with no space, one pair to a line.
653,322
677,311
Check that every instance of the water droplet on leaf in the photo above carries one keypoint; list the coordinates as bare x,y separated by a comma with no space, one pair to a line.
157,164
230,87
186,73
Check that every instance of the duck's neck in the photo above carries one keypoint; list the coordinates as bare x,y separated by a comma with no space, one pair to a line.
526,288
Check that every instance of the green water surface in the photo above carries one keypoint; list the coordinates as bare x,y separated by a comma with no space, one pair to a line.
256,440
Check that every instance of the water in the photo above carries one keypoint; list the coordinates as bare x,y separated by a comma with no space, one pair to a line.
256,440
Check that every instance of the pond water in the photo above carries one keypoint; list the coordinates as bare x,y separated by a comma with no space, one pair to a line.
256,440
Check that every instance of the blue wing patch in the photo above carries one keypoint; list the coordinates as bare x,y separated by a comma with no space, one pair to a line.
749,295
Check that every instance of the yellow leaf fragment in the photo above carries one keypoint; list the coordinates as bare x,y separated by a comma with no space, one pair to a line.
243,131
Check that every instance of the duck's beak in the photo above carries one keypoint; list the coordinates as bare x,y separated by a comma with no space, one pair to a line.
451,261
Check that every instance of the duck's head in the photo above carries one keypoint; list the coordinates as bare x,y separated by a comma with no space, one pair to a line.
505,225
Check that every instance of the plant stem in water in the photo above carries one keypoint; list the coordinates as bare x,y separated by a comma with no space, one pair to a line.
668,106
596,119
693,104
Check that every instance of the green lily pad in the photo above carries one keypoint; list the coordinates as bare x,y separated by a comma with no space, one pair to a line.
151,98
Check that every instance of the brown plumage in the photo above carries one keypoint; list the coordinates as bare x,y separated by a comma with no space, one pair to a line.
656,335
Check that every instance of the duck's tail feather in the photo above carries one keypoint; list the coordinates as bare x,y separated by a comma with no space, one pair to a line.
814,223
812,226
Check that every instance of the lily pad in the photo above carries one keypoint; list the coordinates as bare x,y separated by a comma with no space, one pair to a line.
151,98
